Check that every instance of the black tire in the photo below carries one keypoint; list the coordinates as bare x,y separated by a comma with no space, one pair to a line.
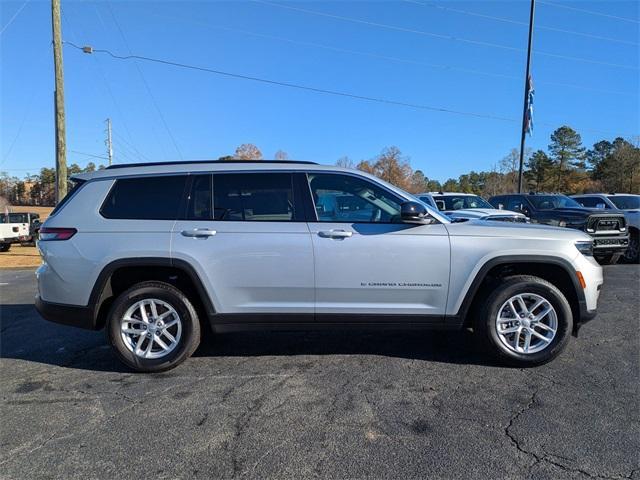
187,343
4,247
632,254
486,328
609,259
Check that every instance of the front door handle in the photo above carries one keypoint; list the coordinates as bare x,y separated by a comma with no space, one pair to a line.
198,233
335,234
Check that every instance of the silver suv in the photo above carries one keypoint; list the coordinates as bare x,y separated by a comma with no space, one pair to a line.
155,253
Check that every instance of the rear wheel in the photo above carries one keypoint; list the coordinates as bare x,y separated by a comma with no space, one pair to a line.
153,327
4,247
526,321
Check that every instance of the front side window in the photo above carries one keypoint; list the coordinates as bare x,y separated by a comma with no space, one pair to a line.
591,202
515,204
344,198
455,202
253,197
145,198
626,202
550,202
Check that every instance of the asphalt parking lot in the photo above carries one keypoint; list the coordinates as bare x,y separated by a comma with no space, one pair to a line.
323,405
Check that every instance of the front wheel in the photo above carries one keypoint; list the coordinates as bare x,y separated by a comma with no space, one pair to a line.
4,247
632,254
153,327
526,321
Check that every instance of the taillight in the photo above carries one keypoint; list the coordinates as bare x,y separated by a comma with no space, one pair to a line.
50,233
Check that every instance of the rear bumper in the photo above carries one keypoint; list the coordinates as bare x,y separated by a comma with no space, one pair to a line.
72,315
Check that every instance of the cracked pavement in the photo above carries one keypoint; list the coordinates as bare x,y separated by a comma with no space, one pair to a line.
320,405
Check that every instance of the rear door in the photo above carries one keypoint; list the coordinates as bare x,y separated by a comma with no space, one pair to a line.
366,261
246,236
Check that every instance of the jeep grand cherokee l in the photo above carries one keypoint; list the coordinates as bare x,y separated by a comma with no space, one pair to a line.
154,253
608,230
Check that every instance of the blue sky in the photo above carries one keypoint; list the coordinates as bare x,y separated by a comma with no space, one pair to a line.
161,112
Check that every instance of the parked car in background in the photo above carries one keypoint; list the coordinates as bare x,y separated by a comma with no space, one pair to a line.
28,220
627,203
608,230
168,249
11,233
461,206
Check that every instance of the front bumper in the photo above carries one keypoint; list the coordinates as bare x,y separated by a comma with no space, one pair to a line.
72,315
610,244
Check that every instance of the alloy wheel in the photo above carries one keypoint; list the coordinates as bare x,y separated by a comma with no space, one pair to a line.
526,323
151,328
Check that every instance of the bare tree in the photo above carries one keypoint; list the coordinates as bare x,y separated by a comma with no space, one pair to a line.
248,151
345,162
281,155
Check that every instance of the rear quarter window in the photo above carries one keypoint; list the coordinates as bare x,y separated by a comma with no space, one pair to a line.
145,198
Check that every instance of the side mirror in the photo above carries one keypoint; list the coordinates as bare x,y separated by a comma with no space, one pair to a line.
414,212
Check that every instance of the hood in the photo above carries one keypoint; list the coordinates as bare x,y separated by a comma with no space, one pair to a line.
481,228
482,213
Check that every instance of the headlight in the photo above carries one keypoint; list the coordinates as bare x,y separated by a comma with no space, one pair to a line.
585,248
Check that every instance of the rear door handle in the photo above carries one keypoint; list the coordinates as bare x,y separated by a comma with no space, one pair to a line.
335,234
198,233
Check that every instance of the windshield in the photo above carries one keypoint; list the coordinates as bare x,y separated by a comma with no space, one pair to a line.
458,202
549,202
626,202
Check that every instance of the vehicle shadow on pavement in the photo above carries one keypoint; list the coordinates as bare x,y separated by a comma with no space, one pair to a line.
25,336
456,347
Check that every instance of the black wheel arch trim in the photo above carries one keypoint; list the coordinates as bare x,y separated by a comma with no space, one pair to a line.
583,314
102,287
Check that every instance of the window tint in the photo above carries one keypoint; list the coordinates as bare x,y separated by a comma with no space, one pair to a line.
343,198
253,197
590,202
199,204
148,198
515,204
455,202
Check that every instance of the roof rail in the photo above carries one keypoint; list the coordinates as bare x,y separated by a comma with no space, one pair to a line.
199,162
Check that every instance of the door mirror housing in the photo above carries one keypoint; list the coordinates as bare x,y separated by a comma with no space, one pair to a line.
414,212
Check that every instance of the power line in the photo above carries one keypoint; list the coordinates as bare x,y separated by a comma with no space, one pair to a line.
89,155
392,58
296,86
311,89
131,146
15,15
517,22
590,12
146,85
104,78
441,36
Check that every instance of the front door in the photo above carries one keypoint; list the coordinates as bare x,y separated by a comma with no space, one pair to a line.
366,260
247,237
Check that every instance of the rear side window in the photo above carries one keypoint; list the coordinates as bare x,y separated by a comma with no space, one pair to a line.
253,197
145,198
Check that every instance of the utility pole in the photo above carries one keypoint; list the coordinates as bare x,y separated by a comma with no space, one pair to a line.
526,96
61,146
109,142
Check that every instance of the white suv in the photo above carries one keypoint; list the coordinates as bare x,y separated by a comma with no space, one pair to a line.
154,253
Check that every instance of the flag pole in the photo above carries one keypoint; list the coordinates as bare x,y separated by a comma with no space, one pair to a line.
527,84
